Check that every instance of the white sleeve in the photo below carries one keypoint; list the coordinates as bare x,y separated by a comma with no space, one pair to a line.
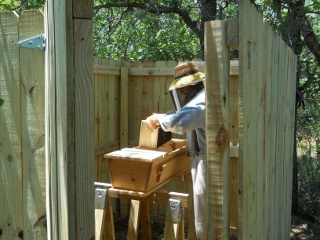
188,118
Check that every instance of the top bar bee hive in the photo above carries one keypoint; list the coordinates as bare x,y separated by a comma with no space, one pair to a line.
144,169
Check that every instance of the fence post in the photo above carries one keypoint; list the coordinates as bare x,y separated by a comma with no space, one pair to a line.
124,107
69,117
217,70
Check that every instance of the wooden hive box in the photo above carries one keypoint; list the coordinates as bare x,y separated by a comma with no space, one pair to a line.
152,139
145,169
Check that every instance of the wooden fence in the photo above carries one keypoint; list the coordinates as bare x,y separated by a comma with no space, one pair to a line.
22,152
252,192
254,104
267,94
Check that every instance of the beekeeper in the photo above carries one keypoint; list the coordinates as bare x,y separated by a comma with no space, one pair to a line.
188,94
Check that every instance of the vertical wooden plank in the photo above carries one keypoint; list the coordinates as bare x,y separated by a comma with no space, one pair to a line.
217,70
245,128
31,24
124,125
69,124
160,90
288,150
269,129
148,92
250,108
113,108
173,229
259,103
191,227
104,224
104,111
145,220
11,165
97,121
133,223
284,154
278,140
291,99
124,108
273,134
83,9
50,128
84,128
136,105
169,79
234,141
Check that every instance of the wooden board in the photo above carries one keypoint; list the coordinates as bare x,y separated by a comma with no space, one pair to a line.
266,110
217,128
84,128
70,122
11,164
152,138
32,64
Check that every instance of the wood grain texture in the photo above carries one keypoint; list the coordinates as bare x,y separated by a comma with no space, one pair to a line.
133,224
82,9
11,164
31,24
124,108
217,72
84,128
266,106
50,127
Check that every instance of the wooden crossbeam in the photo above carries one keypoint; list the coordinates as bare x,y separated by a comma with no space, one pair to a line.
161,196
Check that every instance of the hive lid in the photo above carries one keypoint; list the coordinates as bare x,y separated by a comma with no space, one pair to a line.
132,153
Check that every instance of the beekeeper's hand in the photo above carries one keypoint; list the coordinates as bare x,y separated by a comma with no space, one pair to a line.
152,122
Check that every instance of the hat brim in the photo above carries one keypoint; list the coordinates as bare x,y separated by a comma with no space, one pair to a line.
186,80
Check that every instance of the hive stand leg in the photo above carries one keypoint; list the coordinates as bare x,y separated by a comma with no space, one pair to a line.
191,227
174,230
109,223
181,227
145,221
133,224
104,225
123,208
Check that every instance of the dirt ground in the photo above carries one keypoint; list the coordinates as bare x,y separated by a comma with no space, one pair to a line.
121,227
302,229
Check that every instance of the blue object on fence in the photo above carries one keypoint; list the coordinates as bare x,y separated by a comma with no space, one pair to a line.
38,43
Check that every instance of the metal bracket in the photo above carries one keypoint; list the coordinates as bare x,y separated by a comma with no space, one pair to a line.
38,43
100,198
175,210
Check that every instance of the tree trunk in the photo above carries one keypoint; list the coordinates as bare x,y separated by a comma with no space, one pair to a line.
208,13
295,195
310,38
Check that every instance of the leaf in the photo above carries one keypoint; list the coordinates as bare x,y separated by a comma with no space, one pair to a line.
1,102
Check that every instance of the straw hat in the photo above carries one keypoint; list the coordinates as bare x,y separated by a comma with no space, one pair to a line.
186,73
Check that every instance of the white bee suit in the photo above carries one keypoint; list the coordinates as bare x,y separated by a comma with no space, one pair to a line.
191,119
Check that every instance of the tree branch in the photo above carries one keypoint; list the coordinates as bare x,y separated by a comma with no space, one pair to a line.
312,12
155,10
19,6
310,38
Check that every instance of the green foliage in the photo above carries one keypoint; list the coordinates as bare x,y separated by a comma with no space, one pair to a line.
1,102
128,34
19,6
308,146
309,184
